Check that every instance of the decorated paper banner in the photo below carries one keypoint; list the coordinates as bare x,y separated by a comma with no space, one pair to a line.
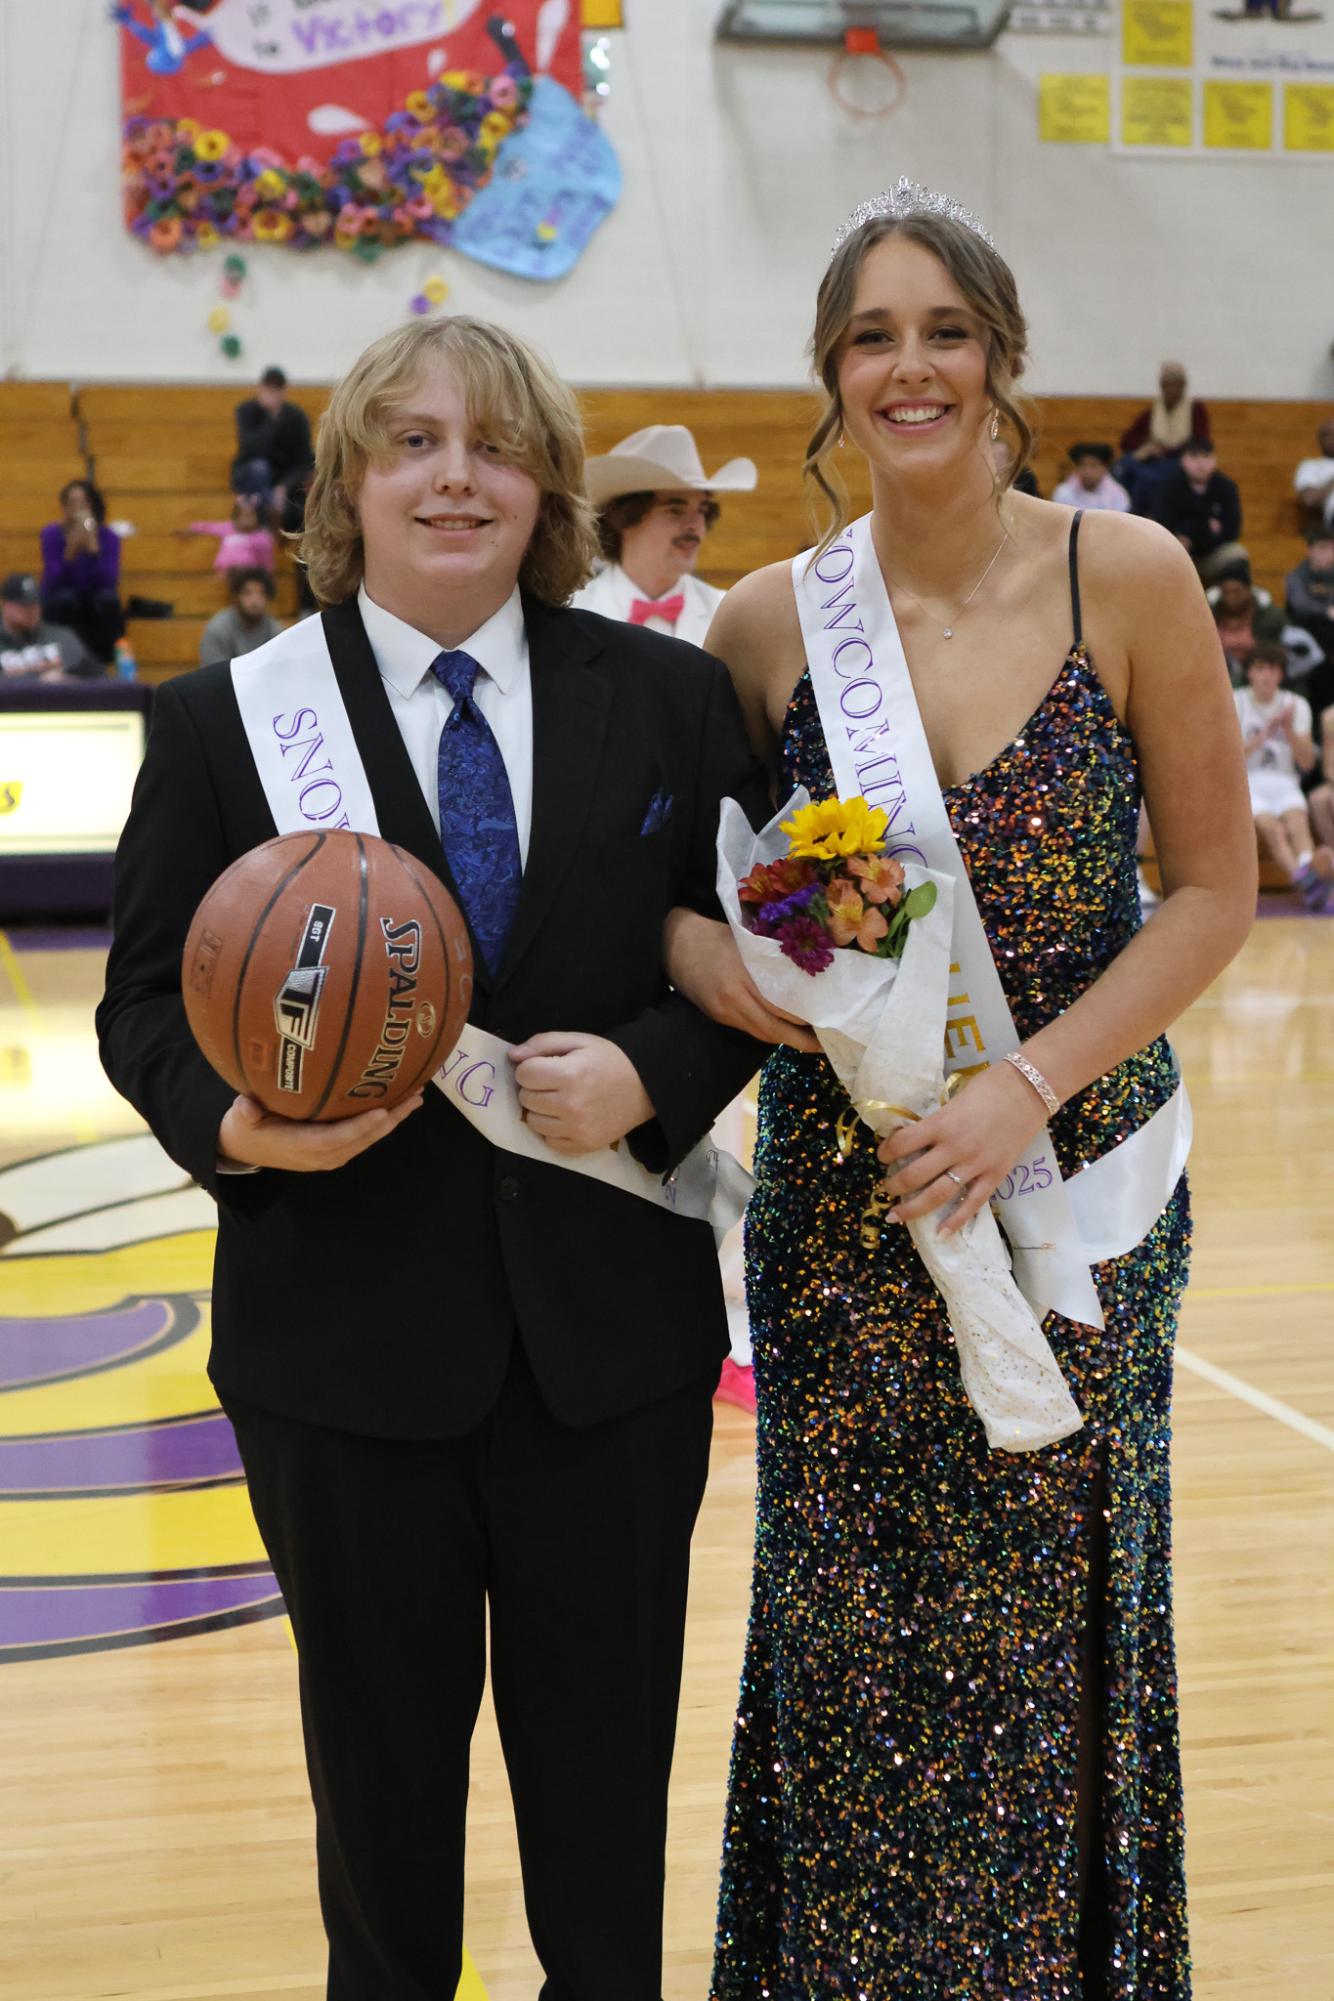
1308,117
1157,111
1239,116
307,122
1075,110
1157,34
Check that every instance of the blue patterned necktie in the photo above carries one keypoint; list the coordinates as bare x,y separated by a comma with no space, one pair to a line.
477,826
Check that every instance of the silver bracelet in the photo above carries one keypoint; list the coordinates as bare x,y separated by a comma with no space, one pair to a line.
1036,1079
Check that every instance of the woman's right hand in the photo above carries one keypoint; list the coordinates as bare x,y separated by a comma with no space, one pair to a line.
251,1137
704,964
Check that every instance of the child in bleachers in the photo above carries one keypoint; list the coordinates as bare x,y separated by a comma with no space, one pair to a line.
1090,484
1276,735
244,543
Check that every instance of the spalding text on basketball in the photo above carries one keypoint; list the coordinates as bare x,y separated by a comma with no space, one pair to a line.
403,947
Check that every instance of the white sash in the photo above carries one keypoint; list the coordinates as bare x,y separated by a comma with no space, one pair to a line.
300,737
878,750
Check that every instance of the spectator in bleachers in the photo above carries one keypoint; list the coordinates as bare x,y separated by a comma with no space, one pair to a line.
81,570
1276,734
1243,615
1320,802
1314,481
1246,615
1310,591
1091,483
1201,506
246,623
274,453
1166,427
1158,436
31,648
244,543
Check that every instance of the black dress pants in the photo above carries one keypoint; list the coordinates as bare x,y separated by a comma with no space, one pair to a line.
389,1553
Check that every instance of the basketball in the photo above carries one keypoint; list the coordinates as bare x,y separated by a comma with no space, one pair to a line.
327,973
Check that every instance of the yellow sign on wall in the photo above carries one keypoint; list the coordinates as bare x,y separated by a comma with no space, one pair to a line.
1157,34
1239,115
1157,111
1308,117
1075,110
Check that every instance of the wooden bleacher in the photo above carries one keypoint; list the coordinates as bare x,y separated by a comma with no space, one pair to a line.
161,456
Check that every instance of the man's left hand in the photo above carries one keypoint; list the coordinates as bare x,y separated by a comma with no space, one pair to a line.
578,1092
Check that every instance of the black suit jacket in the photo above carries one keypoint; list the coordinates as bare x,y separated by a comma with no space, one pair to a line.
383,1297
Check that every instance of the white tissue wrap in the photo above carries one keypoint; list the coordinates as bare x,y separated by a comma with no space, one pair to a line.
881,1022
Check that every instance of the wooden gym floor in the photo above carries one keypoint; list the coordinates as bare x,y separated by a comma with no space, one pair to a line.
155,1838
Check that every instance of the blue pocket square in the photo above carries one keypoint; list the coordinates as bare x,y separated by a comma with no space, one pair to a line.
658,814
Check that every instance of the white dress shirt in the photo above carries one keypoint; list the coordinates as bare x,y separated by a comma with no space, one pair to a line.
612,593
503,692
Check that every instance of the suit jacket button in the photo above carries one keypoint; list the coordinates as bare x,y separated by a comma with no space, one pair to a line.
507,1188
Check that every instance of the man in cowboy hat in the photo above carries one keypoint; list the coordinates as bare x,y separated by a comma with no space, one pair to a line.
655,505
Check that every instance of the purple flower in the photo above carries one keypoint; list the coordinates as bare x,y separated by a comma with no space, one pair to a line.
805,941
770,917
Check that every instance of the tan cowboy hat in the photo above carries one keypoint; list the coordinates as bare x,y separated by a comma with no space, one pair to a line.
662,458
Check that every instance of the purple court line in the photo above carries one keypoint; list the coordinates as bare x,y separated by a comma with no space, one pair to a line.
182,1452
46,1348
39,1617
43,938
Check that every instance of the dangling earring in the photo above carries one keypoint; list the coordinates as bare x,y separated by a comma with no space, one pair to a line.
995,425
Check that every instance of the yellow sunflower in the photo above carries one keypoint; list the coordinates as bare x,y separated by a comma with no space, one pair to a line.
829,828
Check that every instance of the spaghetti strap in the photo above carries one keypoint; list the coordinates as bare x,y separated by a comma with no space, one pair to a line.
1074,576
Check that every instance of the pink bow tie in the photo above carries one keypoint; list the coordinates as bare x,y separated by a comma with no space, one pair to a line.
669,609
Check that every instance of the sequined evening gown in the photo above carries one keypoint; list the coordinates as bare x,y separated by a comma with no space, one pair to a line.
901,1822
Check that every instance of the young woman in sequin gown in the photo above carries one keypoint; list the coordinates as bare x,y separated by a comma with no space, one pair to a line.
956,1771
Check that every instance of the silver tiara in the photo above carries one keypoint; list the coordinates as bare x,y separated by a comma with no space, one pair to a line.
910,198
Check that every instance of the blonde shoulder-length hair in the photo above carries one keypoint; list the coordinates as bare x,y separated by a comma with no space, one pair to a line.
987,283
513,396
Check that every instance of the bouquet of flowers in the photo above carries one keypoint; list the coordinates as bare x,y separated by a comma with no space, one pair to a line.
837,933
833,888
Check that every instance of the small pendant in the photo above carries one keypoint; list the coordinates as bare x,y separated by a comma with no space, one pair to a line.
948,633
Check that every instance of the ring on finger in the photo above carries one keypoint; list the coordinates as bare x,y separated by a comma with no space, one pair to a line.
958,1182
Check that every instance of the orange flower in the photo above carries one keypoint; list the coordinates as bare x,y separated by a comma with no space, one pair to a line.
880,878
850,919
846,910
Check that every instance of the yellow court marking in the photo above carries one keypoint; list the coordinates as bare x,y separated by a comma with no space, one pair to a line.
177,1528
23,993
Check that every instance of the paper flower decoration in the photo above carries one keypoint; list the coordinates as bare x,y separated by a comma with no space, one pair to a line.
184,188
219,320
230,346
436,291
421,304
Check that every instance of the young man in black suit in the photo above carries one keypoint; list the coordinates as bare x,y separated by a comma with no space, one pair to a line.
465,1379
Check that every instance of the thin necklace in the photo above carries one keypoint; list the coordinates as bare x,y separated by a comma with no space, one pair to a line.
947,632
